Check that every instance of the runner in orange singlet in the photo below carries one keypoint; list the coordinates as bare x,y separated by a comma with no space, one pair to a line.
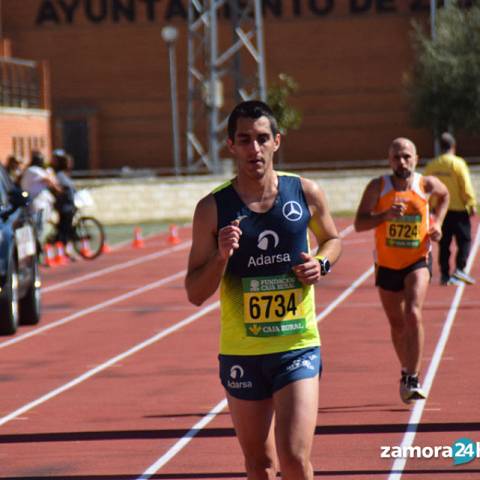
396,206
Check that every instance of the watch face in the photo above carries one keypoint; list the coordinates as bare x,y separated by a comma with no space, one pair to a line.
324,266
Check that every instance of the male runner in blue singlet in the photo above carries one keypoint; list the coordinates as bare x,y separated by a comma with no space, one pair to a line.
250,236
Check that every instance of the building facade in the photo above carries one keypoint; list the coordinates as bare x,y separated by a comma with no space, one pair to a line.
110,77
24,105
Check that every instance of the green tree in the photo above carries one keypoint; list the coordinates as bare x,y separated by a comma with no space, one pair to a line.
277,98
444,86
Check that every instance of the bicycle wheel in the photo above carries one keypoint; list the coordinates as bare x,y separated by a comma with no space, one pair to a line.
89,237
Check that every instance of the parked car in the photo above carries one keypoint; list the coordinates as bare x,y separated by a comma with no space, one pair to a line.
19,272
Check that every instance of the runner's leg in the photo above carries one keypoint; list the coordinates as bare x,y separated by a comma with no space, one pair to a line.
296,408
394,305
254,426
416,286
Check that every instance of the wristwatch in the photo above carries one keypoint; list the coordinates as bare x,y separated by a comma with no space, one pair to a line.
324,265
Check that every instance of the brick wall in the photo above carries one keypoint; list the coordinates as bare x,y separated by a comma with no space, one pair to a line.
22,131
349,58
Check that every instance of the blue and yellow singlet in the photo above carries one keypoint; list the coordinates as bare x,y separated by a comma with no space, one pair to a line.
264,308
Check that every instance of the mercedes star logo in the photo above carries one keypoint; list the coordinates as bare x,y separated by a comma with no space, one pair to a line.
292,211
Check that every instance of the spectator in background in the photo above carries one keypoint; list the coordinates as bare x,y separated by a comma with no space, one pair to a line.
15,167
62,164
6,184
454,173
40,183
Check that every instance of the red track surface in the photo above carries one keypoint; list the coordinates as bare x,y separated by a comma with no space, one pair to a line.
110,383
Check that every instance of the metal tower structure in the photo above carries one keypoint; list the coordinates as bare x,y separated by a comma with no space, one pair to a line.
226,64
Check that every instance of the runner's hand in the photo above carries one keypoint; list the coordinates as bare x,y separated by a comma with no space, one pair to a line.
397,210
307,272
229,239
434,231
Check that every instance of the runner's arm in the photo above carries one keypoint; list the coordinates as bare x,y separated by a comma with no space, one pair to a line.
366,218
210,251
439,191
325,231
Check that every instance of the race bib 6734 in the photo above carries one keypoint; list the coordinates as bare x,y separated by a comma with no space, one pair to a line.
273,306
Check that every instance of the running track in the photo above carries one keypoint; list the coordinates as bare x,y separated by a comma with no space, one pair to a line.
119,380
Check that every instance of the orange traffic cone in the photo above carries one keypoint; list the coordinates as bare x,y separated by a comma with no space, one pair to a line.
49,255
60,258
137,238
106,248
85,251
173,237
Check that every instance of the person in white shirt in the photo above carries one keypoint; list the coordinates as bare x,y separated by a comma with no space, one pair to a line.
40,182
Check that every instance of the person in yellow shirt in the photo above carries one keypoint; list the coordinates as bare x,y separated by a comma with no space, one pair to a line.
396,206
453,171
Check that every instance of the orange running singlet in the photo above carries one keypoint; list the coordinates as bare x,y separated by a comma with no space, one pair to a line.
404,240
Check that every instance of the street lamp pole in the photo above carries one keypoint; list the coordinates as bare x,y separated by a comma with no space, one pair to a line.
433,30
169,35
433,17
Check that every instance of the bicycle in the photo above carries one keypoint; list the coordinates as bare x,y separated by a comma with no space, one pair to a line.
88,233
89,237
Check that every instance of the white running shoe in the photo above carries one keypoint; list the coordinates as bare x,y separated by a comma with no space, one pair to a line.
454,281
464,277
410,389
450,281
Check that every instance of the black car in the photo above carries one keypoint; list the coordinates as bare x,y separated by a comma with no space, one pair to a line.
19,273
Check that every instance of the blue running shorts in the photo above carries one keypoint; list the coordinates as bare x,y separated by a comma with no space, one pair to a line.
257,377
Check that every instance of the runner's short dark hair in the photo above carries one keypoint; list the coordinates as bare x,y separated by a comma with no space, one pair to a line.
251,109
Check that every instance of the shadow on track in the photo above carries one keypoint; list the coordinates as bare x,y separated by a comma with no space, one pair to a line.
228,432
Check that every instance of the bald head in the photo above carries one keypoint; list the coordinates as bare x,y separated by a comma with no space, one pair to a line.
403,157
402,142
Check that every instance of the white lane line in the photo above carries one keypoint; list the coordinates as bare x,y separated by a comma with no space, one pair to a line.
185,440
104,271
111,362
357,241
18,338
114,268
92,309
346,231
153,236
346,293
131,263
118,358
398,466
